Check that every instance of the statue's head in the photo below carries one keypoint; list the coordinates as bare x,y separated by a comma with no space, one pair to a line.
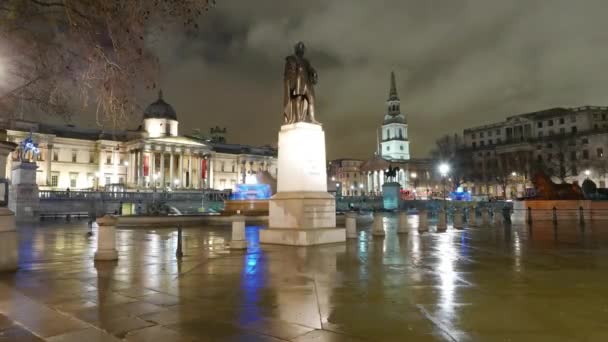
299,49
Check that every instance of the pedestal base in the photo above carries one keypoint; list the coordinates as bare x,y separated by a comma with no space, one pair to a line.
8,241
239,244
301,218
106,255
302,237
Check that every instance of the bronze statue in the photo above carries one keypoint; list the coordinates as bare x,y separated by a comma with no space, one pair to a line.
299,94
547,190
391,174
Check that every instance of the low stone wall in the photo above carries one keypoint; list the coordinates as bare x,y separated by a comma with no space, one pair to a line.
542,210
184,221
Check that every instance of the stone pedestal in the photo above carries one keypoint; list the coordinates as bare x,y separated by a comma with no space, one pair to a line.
485,216
404,226
472,219
302,213
238,233
23,193
391,192
8,231
106,239
378,225
423,220
441,220
351,225
8,241
458,221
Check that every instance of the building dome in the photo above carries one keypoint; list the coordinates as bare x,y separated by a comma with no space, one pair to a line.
160,110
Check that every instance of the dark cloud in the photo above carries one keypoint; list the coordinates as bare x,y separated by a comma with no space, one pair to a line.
458,64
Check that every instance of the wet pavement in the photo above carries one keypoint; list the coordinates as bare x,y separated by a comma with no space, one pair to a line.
478,284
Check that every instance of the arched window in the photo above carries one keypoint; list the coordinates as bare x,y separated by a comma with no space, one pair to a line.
400,132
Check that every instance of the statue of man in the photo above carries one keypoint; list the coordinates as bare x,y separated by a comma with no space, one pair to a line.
299,94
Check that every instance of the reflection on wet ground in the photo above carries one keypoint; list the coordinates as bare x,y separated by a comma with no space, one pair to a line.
481,284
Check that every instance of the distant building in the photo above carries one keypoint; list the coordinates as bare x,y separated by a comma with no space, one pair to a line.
393,149
153,156
347,178
569,144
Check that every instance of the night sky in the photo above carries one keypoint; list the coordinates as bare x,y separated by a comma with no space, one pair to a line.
458,64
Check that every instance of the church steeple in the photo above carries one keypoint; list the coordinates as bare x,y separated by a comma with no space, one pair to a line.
393,103
392,95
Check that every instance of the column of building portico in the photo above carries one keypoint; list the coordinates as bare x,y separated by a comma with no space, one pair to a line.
190,171
162,169
101,180
140,168
171,167
153,178
49,158
180,169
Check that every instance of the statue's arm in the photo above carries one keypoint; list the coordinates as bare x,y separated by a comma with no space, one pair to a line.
313,75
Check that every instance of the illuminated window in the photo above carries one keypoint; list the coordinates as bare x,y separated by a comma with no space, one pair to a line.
73,179
600,152
54,179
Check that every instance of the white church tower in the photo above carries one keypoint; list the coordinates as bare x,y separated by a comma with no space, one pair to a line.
394,144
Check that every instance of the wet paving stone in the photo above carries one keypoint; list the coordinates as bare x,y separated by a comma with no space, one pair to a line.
482,284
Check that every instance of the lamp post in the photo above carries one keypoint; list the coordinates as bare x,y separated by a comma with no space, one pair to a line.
444,169
414,177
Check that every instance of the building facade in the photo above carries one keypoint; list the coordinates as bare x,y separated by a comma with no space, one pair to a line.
347,177
569,144
154,156
392,150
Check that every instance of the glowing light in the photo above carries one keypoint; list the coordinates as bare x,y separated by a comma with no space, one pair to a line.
513,173
414,175
444,168
176,181
126,163
251,179
587,172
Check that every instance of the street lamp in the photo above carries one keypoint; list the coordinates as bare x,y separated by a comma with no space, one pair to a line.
514,174
176,181
414,175
587,173
444,169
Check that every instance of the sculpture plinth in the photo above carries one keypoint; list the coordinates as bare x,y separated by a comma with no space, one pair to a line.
302,213
8,231
23,194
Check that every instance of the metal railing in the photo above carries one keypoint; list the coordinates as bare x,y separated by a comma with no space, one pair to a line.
133,196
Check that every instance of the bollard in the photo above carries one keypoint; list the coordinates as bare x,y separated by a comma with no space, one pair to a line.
581,216
351,225
404,226
496,216
441,221
378,226
458,221
485,217
472,217
529,215
238,233
423,221
106,240
554,215
178,251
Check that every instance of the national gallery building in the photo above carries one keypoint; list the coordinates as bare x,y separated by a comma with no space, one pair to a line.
154,156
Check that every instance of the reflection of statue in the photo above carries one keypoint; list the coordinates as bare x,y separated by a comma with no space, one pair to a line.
28,150
299,94
547,190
